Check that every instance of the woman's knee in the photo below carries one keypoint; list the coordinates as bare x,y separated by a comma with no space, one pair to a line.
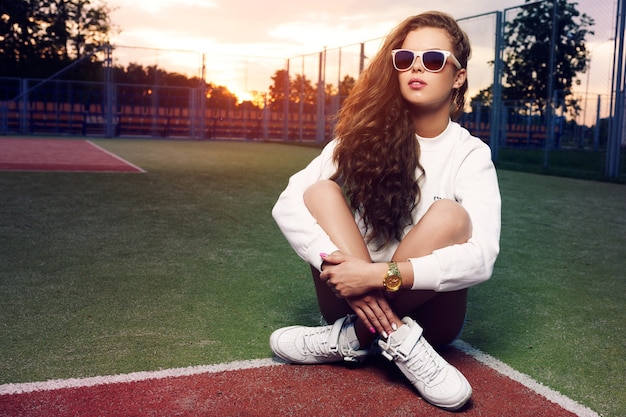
324,195
321,189
452,218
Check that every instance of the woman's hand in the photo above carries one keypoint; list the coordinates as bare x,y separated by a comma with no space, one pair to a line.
359,282
374,310
350,276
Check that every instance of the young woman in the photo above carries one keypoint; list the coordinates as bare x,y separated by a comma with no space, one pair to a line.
397,216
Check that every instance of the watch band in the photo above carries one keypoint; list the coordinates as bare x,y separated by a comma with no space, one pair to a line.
393,269
392,280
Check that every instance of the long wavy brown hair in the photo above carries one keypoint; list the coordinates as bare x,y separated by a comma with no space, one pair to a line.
377,153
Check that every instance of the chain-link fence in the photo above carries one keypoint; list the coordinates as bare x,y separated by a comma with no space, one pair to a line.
296,99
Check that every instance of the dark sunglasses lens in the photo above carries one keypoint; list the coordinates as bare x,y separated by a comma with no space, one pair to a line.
403,59
433,60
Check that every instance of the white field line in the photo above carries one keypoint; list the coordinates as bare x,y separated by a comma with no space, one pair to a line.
500,367
504,369
141,170
8,389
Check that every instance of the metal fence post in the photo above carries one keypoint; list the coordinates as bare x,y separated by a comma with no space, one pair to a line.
321,81
549,97
362,58
618,118
494,116
109,115
23,106
286,103
4,122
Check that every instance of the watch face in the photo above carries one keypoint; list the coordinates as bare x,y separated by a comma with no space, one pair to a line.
393,283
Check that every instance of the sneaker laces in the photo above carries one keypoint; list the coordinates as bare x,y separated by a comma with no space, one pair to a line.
330,340
424,362
418,356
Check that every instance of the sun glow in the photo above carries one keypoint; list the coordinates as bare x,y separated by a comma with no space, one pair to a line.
255,97
241,95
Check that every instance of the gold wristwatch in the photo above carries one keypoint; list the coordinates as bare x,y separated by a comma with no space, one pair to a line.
393,280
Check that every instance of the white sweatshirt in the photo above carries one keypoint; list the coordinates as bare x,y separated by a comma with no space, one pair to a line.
457,166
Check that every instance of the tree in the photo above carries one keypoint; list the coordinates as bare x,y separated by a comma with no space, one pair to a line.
302,91
40,37
219,97
480,101
482,97
345,86
528,40
278,89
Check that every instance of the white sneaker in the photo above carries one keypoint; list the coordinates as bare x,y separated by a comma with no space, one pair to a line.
314,345
438,382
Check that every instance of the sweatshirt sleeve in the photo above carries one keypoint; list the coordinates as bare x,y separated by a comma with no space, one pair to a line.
299,227
460,266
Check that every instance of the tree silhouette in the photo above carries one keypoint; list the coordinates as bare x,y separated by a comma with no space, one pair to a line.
528,40
301,90
278,89
40,37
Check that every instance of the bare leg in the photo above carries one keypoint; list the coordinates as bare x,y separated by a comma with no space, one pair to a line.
445,223
327,204
442,314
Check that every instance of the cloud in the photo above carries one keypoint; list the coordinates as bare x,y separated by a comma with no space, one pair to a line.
158,6
231,32
276,26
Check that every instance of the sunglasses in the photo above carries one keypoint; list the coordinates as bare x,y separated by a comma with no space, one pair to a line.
432,61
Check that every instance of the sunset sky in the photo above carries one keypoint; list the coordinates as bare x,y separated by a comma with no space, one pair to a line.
235,34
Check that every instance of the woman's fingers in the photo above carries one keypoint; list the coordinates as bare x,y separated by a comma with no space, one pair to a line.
375,312
380,320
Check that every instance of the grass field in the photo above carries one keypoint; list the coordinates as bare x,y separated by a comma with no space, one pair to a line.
115,273
573,163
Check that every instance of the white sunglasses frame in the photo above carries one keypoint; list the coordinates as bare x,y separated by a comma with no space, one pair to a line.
416,54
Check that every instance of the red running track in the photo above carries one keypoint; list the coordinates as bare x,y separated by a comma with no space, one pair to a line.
374,388
66,155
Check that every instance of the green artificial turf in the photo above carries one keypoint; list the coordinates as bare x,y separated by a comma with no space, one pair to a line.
554,308
183,265
108,273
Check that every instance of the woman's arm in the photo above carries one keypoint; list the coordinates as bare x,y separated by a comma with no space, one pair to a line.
460,266
293,218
